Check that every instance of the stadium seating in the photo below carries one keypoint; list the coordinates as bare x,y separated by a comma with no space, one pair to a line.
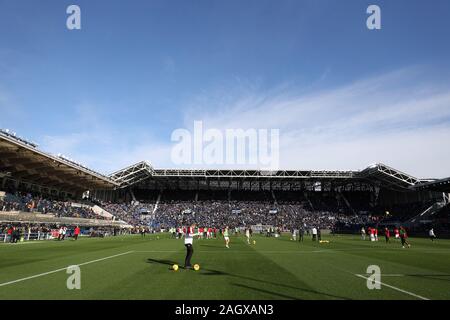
28,203
289,210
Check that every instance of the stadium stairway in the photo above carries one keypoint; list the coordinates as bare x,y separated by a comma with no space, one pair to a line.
274,198
346,202
427,214
156,204
309,201
133,196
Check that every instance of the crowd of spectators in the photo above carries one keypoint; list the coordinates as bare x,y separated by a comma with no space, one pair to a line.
135,214
347,210
26,202
288,212
220,213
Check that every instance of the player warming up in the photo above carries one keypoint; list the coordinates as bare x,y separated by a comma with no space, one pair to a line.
387,235
432,234
226,236
247,235
403,237
76,233
188,241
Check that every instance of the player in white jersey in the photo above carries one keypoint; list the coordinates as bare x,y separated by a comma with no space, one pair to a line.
64,232
226,237
294,234
247,234
188,242
432,234
314,233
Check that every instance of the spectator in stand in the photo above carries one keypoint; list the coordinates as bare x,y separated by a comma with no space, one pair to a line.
29,203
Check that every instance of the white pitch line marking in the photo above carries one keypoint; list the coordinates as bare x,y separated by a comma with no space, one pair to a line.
392,287
61,269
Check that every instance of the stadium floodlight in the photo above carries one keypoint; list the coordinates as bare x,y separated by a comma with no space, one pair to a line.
14,135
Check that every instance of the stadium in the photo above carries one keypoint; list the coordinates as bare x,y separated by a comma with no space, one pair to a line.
306,229
224,157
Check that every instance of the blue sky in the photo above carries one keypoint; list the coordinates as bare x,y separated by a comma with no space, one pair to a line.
342,96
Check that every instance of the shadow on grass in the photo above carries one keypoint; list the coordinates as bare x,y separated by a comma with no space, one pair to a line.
212,272
168,263
265,291
289,287
208,245
430,276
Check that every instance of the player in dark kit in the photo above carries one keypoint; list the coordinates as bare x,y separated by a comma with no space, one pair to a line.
387,235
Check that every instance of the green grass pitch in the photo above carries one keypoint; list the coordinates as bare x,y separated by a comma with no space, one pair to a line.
130,267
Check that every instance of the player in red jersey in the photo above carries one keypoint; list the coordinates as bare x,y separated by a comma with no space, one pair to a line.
10,234
76,233
209,234
372,234
396,233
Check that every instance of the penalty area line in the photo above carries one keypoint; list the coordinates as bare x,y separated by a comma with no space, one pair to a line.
392,287
62,269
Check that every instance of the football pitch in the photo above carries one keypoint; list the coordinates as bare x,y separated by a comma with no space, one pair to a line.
131,267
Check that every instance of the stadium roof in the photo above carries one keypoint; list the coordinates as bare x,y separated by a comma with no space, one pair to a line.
132,174
391,177
378,174
23,161
441,185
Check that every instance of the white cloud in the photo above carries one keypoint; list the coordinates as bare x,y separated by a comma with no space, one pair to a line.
96,142
393,118
399,119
